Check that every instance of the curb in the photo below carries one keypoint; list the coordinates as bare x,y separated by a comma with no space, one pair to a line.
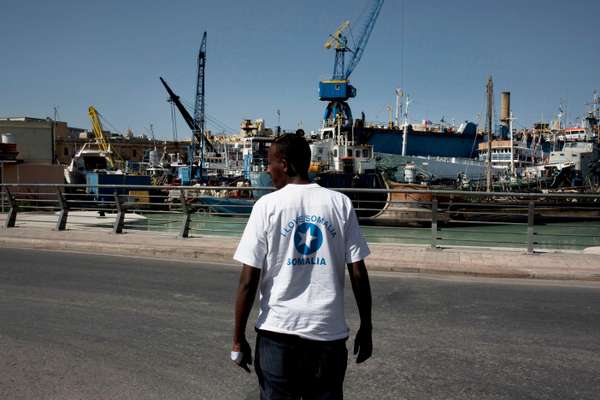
206,254
376,262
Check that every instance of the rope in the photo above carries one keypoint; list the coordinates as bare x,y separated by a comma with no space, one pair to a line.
220,125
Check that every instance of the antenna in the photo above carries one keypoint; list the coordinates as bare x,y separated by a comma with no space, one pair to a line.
402,43
278,112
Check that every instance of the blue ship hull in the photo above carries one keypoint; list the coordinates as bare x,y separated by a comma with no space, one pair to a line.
439,144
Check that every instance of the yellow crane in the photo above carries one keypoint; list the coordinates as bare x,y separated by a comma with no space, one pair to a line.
99,135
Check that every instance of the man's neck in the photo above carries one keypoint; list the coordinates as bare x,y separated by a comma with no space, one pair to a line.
296,180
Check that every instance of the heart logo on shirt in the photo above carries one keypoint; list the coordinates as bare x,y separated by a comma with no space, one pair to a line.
308,238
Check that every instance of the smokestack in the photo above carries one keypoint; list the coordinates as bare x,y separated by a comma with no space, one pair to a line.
505,107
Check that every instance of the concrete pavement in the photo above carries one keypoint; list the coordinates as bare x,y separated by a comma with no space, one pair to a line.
84,326
491,262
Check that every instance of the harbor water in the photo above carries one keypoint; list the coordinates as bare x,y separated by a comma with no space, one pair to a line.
565,236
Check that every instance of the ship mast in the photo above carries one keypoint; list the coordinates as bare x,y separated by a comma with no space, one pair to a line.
399,95
405,130
489,118
512,145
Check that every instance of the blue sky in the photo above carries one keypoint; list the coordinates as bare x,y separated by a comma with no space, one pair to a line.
265,55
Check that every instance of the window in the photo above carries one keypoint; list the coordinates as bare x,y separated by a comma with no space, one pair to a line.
134,153
366,153
349,152
66,151
335,152
357,153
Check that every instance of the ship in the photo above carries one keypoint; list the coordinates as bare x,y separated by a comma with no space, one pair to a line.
426,152
90,158
433,154
336,162
574,159
424,139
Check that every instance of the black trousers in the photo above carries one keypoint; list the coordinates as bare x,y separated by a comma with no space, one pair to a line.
290,367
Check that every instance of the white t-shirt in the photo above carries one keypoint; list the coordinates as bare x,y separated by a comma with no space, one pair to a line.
302,236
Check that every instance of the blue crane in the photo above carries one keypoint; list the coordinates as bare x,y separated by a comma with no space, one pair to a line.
199,104
338,89
197,122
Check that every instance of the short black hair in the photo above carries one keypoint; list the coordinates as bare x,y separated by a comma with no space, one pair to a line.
296,151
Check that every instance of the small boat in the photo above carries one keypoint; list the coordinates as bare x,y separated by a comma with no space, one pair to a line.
90,158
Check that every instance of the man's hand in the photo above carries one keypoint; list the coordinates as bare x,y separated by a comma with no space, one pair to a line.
363,345
249,279
243,347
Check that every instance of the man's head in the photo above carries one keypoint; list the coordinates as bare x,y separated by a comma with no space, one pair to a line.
289,159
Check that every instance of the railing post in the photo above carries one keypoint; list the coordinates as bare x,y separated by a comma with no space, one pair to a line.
530,226
11,218
61,224
434,223
120,220
185,228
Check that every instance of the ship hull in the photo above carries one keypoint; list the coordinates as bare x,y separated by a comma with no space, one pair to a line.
419,143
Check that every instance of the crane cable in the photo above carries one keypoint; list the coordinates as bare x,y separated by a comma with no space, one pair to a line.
209,118
105,121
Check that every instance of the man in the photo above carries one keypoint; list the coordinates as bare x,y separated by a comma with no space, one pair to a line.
295,246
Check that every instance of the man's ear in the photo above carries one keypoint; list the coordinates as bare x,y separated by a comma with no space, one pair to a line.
284,165
288,168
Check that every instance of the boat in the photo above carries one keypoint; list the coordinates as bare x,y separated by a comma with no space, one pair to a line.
90,158
512,157
426,152
450,171
94,167
426,139
577,164
423,139
575,160
336,162
405,208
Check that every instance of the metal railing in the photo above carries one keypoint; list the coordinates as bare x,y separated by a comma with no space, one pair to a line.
436,218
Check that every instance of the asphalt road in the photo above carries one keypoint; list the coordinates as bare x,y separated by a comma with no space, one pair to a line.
76,326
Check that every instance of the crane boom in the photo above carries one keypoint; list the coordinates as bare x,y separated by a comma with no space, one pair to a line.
186,115
200,83
336,38
364,37
337,90
200,104
99,134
